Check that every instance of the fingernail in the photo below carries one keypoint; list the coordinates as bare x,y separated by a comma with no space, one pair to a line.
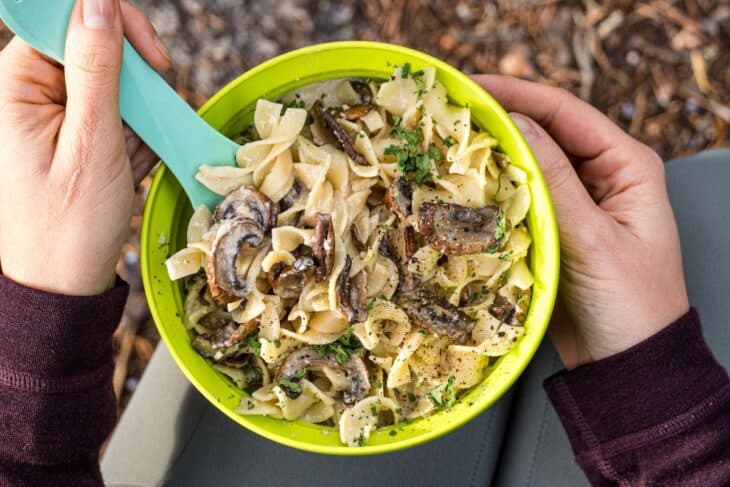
98,14
162,48
526,125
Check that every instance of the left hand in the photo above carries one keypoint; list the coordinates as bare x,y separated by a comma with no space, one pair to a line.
68,165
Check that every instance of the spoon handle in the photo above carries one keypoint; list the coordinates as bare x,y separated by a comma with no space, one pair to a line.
147,103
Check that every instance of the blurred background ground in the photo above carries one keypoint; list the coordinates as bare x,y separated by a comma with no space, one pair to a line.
659,68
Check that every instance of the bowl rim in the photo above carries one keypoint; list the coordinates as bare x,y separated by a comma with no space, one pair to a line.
549,226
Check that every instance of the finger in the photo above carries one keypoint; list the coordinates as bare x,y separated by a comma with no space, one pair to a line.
30,77
93,63
142,163
142,159
574,208
578,127
143,36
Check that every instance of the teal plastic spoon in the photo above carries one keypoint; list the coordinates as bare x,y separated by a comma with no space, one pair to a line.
148,104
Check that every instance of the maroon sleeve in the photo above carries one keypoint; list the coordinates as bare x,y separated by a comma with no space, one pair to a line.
656,414
56,400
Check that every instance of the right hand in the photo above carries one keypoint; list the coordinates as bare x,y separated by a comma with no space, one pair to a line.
621,271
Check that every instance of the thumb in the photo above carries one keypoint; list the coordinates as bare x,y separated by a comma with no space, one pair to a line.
93,60
575,209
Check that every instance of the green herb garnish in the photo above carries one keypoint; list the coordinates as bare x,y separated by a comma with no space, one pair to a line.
254,344
409,158
500,231
506,256
405,70
342,349
444,395
448,141
290,386
301,373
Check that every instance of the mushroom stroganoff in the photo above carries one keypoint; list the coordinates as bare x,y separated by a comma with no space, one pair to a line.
368,259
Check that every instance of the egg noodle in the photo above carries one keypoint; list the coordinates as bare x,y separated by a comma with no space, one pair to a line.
368,260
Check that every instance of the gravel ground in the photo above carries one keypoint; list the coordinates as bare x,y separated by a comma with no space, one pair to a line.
659,68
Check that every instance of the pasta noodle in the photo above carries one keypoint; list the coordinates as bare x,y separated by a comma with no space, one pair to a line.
369,260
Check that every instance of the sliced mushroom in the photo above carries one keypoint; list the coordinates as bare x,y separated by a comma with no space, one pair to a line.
324,245
223,345
399,198
399,245
291,197
343,138
362,89
352,293
248,202
459,230
232,238
506,312
357,242
290,282
433,312
357,112
215,320
308,358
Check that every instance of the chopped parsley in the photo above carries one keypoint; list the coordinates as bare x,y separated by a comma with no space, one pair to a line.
254,344
506,256
410,159
392,433
444,395
405,70
373,410
420,84
290,386
500,230
301,373
360,440
277,343
448,141
254,377
342,349
371,303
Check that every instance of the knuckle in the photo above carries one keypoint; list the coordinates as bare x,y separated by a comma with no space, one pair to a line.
97,62
557,171
598,237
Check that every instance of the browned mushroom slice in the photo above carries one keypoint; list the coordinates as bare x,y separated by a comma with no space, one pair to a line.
223,344
290,282
292,196
458,230
352,293
399,198
503,310
324,245
362,89
308,358
357,112
343,138
357,242
436,314
399,245
248,202
233,237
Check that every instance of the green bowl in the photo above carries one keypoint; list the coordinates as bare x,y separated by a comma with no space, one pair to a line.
231,110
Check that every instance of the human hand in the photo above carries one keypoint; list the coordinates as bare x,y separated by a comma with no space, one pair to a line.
621,271
68,165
